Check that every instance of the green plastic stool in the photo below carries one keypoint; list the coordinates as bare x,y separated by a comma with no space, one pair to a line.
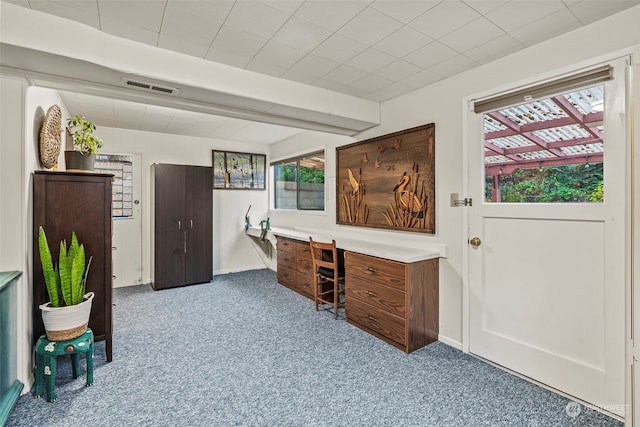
46,354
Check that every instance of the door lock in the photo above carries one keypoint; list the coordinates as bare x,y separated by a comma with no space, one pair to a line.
475,242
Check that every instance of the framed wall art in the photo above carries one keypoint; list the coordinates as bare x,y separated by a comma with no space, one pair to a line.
388,181
239,171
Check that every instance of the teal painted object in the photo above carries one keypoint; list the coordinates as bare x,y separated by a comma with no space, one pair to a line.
47,353
10,387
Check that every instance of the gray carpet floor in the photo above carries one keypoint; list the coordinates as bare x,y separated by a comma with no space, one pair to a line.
245,351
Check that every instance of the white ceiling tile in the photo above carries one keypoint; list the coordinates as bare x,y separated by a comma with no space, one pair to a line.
371,83
517,14
230,127
473,34
421,79
354,91
339,48
375,97
183,46
398,70
329,14
236,42
130,32
392,91
299,76
344,75
278,54
546,28
228,58
453,66
256,18
369,27
430,55
260,66
403,10
328,84
588,11
287,6
314,65
403,42
194,21
444,18
141,14
371,60
494,49
301,35
485,6
81,11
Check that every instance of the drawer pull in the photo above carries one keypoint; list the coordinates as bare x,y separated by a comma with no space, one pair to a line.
371,269
372,318
371,294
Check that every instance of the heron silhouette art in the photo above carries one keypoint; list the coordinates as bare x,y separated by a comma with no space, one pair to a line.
408,199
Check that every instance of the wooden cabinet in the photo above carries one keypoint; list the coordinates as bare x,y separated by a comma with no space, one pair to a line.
295,266
182,225
397,302
64,202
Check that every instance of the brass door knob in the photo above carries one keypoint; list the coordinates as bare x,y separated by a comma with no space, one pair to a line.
475,242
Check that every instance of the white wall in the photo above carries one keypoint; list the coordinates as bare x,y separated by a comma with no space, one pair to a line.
232,250
442,104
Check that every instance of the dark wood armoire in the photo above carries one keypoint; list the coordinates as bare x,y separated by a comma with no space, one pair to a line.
182,230
75,201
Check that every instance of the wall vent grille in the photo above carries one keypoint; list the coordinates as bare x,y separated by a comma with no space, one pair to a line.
150,87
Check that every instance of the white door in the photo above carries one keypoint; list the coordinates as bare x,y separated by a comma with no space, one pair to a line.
547,281
633,91
127,236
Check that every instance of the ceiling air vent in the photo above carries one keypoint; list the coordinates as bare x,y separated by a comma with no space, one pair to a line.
150,86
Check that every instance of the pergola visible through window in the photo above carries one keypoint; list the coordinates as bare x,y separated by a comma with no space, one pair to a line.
550,150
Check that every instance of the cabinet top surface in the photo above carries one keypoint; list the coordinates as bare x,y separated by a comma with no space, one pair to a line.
376,249
71,173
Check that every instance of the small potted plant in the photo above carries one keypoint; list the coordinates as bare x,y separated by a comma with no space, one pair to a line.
85,143
66,315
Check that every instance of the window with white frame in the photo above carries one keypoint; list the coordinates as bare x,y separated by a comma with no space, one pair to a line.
299,182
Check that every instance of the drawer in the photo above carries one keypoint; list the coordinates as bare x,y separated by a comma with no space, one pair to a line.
303,249
383,297
387,272
382,322
287,259
304,265
286,245
305,284
286,276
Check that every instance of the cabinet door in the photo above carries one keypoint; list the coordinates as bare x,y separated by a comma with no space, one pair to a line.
170,227
81,202
198,216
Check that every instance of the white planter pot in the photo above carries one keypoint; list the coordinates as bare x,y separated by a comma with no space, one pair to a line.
65,323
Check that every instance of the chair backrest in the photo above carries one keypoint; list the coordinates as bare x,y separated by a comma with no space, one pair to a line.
324,255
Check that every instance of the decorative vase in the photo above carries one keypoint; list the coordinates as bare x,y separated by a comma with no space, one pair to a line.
66,323
76,160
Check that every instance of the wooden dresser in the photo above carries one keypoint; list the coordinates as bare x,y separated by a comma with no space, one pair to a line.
294,266
394,301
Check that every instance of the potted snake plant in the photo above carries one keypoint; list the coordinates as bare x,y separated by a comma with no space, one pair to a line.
85,143
66,315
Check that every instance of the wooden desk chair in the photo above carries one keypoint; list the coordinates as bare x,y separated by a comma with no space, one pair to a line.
328,277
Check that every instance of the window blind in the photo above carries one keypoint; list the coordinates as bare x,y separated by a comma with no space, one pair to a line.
564,84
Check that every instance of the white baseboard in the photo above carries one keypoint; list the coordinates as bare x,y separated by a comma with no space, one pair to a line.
238,270
450,341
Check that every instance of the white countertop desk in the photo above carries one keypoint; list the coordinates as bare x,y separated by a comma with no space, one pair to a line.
366,247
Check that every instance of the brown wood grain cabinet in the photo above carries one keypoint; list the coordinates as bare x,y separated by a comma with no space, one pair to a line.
182,225
394,301
294,266
64,202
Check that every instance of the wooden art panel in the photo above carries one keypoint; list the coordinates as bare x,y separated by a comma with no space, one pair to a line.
388,181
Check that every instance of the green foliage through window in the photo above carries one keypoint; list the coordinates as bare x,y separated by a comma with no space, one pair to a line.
578,183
